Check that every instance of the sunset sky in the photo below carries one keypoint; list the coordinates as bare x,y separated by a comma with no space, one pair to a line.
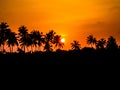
73,19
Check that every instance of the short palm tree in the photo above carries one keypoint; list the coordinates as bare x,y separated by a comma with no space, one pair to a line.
75,45
91,40
112,43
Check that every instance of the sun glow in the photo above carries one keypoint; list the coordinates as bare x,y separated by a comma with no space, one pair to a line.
63,40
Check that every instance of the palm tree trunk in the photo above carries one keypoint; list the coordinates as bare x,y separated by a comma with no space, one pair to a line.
12,49
17,47
27,49
31,49
39,48
3,48
0,48
24,48
91,46
35,48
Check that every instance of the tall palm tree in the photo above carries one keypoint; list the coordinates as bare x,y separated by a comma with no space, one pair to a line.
75,45
112,43
40,39
34,39
100,44
57,42
91,40
23,40
3,37
12,40
49,40
37,38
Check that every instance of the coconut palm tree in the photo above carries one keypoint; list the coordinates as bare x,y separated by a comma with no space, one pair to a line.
12,40
0,42
112,43
23,37
100,44
34,39
57,42
48,47
91,40
75,45
40,38
37,38
49,40
50,36
3,37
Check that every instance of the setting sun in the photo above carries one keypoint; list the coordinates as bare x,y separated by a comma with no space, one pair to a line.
63,40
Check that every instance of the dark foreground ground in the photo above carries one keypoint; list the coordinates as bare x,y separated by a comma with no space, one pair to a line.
86,56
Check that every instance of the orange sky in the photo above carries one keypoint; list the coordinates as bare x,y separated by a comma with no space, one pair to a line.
73,19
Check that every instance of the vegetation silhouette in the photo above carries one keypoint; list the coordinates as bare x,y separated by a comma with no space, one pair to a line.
4,29
57,42
75,45
91,40
23,37
111,43
100,44
12,40
37,48
37,39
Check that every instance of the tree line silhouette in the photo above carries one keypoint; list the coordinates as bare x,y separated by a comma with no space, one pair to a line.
23,40
99,50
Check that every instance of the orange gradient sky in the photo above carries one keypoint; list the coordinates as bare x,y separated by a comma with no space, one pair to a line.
73,19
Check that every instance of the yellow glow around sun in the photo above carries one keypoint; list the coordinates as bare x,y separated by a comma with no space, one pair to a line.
63,40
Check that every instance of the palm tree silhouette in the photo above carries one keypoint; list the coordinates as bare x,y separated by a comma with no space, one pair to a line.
48,47
12,40
91,40
57,42
49,40
75,45
3,37
29,42
111,43
23,37
40,39
100,44
36,37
